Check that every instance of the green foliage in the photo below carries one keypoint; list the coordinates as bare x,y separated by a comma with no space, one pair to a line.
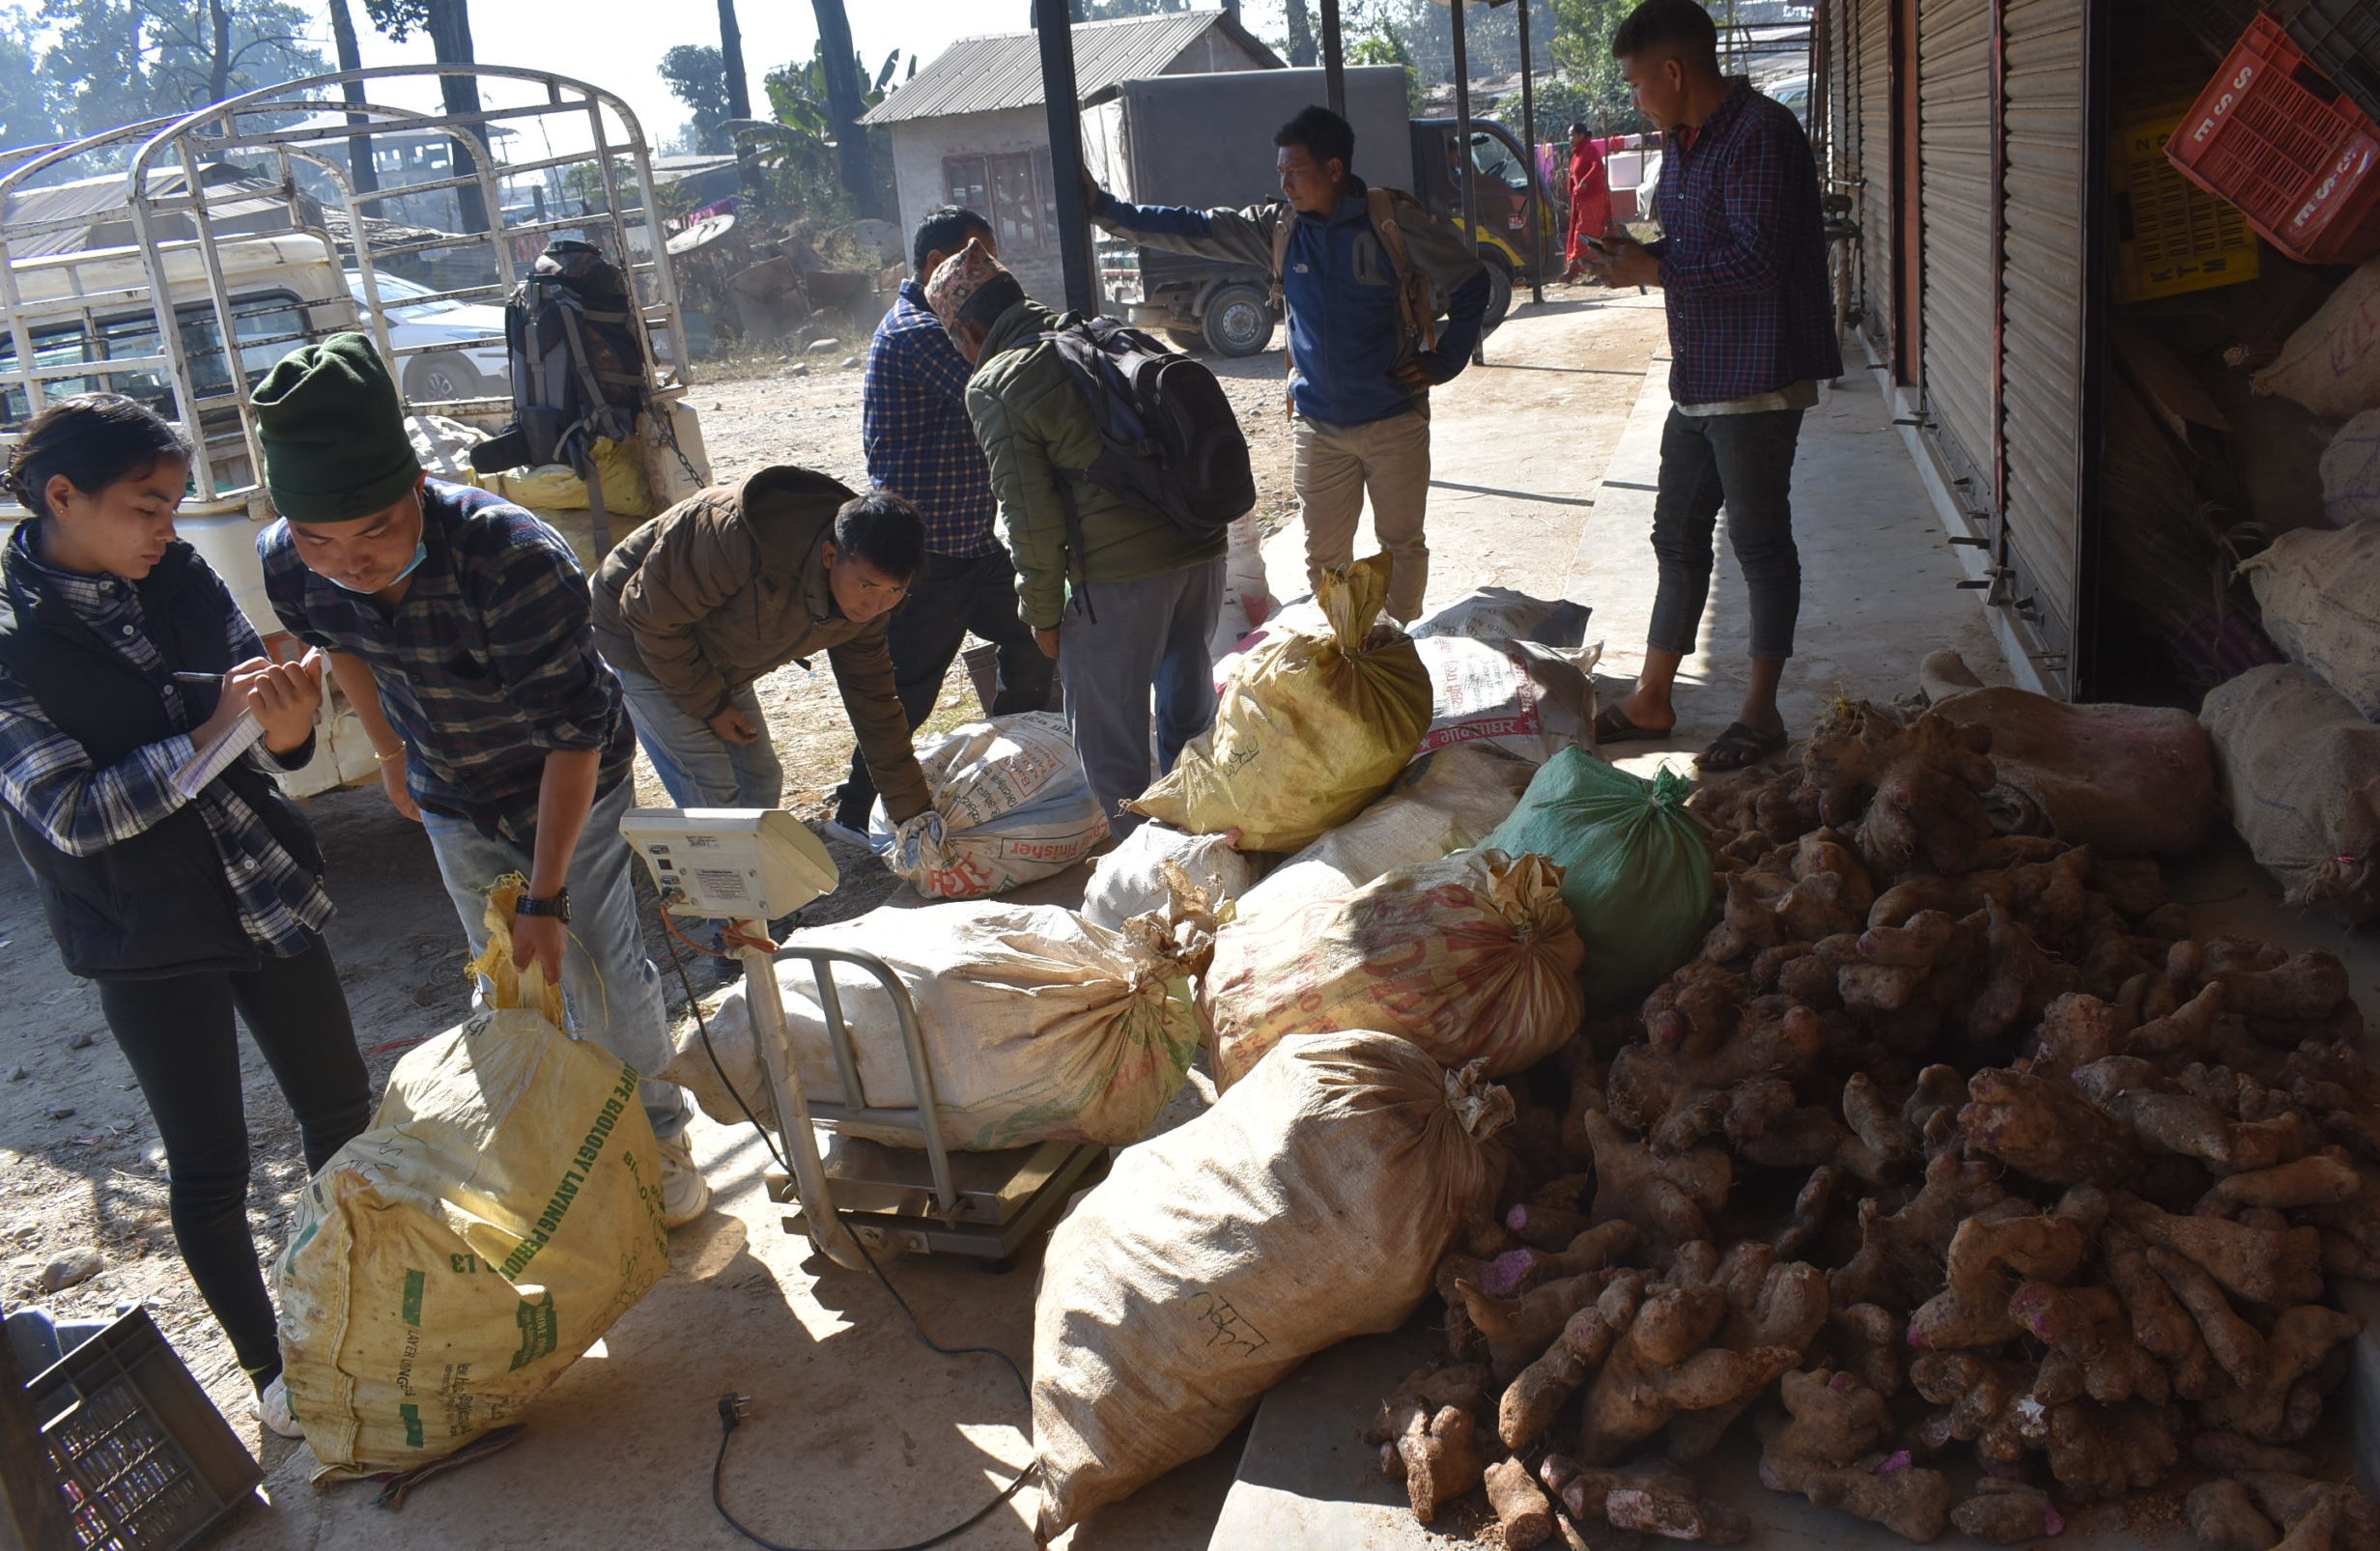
796,146
398,20
1104,9
1561,104
696,77
96,64
1371,33
1582,52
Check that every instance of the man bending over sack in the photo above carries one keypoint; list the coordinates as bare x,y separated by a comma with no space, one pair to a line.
457,626
694,608
1143,594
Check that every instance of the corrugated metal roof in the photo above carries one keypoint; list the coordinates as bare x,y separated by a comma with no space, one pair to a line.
988,74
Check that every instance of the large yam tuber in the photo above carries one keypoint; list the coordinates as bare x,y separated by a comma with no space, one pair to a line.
1438,1456
2236,1346
1972,1308
2316,1515
2223,1517
2006,1512
2047,1130
1670,1198
1664,1364
2089,1328
2284,1404
1827,1452
1900,1256
2278,1267
1653,1497
1532,1400
1523,1517
1770,1306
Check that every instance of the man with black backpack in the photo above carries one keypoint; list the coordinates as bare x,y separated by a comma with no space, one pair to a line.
1122,594
1359,269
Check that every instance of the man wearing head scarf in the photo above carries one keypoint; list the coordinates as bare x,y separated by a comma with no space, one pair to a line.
1120,597
458,626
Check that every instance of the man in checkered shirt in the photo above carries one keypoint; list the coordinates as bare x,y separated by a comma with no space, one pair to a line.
921,447
1742,264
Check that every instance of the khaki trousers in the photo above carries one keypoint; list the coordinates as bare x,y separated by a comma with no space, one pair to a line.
1334,469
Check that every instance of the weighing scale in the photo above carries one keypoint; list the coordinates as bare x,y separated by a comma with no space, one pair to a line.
748,866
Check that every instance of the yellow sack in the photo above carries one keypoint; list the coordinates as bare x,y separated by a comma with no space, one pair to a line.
449,1263
558,487
1313,725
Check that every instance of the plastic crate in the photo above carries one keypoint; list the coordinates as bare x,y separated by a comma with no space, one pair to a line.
2173,237
2342,37
148,1464
2273,135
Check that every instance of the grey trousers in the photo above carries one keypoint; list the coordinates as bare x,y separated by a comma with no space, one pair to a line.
1745,461
1149,635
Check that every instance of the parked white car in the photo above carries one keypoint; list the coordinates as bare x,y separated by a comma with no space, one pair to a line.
478,367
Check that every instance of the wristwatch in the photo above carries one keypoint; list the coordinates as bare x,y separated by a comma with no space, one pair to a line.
558,907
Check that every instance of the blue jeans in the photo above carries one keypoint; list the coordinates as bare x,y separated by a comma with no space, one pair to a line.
697,766
611,988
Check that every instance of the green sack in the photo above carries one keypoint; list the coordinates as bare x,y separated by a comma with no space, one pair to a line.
1635,867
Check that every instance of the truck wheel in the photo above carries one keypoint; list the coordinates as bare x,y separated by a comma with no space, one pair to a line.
1238,322
1499,290
1189,340
441,379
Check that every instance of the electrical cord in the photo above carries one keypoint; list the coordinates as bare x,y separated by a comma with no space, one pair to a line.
732,1407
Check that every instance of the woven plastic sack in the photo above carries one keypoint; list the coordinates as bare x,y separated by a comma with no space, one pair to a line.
2351,472
2300,770
2319,590
1444,802
1011,805
2332,363
1635,867
1247,591
447,1265
1499,614
1311,727
1530,700
1312,1203
1471,957
1131,879
1037,1025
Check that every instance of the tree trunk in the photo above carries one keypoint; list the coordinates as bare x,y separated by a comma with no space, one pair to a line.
360,168
732,61
1301,35
219,51
450,43
843,101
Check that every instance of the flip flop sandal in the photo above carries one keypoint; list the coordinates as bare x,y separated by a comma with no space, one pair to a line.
1612,727
1739,746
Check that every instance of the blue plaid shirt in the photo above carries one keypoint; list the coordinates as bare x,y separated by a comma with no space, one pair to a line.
48,778
913,419
487,666
1744,256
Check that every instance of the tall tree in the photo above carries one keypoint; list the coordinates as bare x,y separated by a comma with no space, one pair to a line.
112,61
1108,10
692,71
844,101
1303,52
448,23
25,118
731,62
361,171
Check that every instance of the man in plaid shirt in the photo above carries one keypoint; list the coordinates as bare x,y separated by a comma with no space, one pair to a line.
921,447
1742,267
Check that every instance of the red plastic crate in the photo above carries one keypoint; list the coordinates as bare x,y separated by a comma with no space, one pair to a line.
2273,136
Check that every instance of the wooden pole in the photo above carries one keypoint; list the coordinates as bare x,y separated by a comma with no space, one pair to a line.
1528,145
1056,25
1334,58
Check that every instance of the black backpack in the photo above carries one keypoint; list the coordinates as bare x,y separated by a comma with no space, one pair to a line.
578,365
1169,441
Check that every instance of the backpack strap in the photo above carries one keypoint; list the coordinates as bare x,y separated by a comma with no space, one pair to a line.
1421,320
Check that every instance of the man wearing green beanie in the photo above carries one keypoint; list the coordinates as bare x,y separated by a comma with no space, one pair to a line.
458,626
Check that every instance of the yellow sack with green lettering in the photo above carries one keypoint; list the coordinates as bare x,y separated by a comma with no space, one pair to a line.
447,1265
1310,727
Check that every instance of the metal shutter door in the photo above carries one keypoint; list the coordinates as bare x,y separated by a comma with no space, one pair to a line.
1955,158
1875,46
2043,344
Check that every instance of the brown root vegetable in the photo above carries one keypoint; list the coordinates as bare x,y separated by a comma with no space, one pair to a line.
2233,1455
1664,1364
2022,981
1653,1088
2320,1179
2047,1130
2005,1513
1670,1198
1868,1340
2333,1083
1979,1396
2182,1034
1428,1390
2277,1409
1532,1400
2223,1517
1518,1271
1824,1452
2089,1327
2316,1515
2100,1452
1437,1455
1523,1516
1518,1329
1900,1256
2236,1345
2262,1265
2159,1321
2076,1030
1544,1227
1656,1498
1972,1308
1770,1306
2263,981
1813,1210
2127,1089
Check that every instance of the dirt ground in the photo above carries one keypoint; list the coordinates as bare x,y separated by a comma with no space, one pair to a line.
79,1162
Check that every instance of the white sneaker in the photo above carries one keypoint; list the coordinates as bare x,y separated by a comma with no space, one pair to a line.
684,1195
845,834
272,1412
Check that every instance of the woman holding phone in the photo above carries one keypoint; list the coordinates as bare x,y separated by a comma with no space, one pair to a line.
122,654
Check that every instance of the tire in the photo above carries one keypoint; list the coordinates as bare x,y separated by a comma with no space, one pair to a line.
1499,292
1238,320
1189,340
438,379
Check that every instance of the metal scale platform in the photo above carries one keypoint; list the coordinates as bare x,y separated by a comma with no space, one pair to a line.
748,866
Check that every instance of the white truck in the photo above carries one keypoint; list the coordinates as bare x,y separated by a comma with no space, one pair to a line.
182,232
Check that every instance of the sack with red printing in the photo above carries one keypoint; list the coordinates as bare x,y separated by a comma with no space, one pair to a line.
1011,805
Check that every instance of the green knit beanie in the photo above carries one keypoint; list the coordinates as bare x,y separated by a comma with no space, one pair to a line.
335,447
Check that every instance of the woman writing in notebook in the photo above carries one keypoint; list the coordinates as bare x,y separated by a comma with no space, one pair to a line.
124,659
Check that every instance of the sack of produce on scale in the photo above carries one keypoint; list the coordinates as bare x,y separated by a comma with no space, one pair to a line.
1444,802
447,1265
2300,768
1312,726
1131,879
1310,1204
1636,868
1529,701
1037,1025
1472,957
1011,805
2319,590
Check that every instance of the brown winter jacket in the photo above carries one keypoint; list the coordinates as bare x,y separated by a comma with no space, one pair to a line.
732,583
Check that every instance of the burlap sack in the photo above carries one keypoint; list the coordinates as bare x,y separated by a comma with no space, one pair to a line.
2300,770
1130,880
2320,592
1446,801
1310,1204
1011,805
1472,957
2127,781
2351,472
2332,363
1312,726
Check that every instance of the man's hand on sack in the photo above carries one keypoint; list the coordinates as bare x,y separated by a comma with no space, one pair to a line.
1423,369
538,940
1047,640
735,726
1626,261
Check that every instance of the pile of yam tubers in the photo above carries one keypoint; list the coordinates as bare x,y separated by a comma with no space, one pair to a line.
1955,1158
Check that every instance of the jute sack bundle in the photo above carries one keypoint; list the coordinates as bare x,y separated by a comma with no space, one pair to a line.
1311,1203
1446,801
1130,880
2300,768
449,1264
1011,805
2332,363
1472,957
2320,589
1311,726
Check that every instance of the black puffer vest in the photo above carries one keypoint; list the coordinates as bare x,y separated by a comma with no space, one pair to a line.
159,903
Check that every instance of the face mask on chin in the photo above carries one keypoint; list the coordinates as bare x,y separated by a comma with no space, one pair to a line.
421,553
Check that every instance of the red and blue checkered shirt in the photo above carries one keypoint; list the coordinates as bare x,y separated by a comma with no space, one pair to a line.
1744,256
913,420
